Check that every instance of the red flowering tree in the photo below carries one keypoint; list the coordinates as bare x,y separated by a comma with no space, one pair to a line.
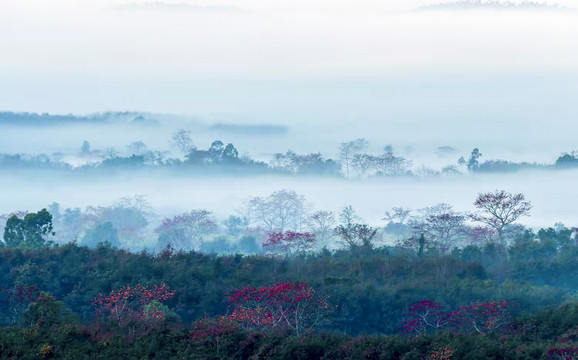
566,347
499,209
442,353
287,306
14,301
485,317
289,243
424,317
136,307
562,353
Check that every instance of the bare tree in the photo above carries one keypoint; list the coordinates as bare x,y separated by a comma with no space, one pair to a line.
397,215
425,172
499,209
138,202
322,223
186,231
391,165
280,211
348,149
441,225
182,140
363,163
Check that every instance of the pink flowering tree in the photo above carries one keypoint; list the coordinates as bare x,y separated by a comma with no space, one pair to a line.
289,242
499,209
286,306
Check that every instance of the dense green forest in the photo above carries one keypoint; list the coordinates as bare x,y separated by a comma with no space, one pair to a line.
370,293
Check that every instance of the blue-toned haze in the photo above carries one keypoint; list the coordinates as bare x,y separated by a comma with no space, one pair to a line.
413,73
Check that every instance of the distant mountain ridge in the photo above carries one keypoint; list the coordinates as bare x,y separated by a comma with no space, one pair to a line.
45,119
491,5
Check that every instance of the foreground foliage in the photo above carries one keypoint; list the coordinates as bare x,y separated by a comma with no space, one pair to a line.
546,339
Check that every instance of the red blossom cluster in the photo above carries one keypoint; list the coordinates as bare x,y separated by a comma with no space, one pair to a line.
45,299
19,294
289,242
481,317
443,353
486,317
567,347
286,305
129,304
14,301
425,316
562,353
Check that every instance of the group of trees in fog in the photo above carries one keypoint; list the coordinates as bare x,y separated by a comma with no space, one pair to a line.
284,223
434,276
10,118
219,158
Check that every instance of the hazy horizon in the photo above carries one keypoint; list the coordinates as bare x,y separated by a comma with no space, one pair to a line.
410,74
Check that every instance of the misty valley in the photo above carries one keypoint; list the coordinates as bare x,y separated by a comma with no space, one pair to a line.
354,251
288,179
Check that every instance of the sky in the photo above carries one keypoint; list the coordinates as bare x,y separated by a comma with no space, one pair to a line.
386,70
261,58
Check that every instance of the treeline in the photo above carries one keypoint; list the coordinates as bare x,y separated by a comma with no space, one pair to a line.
285,224
221,158
34,119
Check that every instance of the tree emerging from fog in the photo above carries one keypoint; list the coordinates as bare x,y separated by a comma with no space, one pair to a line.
322,224
353,234
186,231
182,140
280,211
31,231
441,226
500,209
